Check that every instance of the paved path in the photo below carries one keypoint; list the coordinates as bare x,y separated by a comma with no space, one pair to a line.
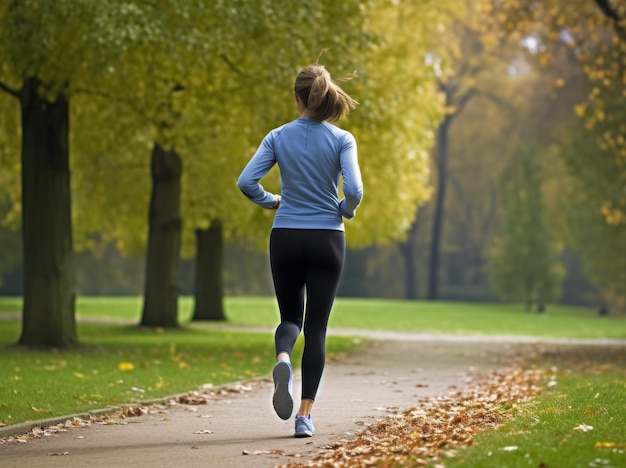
385,374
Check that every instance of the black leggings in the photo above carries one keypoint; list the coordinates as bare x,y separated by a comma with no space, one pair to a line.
311,260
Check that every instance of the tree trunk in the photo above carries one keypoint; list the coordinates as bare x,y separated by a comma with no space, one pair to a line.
160,308
438,211
49,266
208,288
411,289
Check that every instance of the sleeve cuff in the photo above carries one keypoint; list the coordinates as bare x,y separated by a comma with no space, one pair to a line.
342,209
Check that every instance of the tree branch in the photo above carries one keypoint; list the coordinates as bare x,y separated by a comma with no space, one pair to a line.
612,14
232,66
463,100
13,92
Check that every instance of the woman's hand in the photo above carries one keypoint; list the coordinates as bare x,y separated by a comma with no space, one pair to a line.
277,204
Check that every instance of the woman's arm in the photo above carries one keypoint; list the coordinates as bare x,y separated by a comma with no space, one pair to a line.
259,165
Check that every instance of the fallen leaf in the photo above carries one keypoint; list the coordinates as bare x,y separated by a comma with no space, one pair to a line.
238,388
192,399
204,431
59,454
268,452
605,444
418,436
599,461
134,411
125,366
509,448
583,428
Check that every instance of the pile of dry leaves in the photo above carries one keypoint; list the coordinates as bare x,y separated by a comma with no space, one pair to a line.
119,416
420,434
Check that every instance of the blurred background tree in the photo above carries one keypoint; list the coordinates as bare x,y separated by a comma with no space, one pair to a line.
523,255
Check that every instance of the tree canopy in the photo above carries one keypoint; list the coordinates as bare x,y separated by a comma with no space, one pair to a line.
111,81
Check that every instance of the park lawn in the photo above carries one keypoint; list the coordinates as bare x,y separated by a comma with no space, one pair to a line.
123,364
384,314
120,364
475,318
578,422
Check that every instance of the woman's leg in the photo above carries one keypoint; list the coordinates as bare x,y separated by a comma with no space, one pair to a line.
311,258
325,259
288,273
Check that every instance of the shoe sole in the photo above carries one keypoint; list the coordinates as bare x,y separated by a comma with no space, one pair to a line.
300,435
282,400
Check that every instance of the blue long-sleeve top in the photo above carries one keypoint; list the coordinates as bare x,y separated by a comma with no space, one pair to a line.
311,157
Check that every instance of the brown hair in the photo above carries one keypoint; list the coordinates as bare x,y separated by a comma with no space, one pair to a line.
321,96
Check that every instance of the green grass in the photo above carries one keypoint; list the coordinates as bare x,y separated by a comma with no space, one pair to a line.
590,390
421,316
41,384
475,318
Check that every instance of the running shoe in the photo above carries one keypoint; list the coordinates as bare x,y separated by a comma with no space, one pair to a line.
304,427
283,389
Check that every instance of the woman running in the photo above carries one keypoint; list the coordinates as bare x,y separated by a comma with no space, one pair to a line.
307,242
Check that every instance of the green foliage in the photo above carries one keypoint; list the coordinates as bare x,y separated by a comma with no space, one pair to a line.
10,188
599,244
522,262
67,43
400,108
212,99
195,76
110,161
210,78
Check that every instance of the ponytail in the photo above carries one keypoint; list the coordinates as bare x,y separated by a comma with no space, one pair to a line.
321,96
